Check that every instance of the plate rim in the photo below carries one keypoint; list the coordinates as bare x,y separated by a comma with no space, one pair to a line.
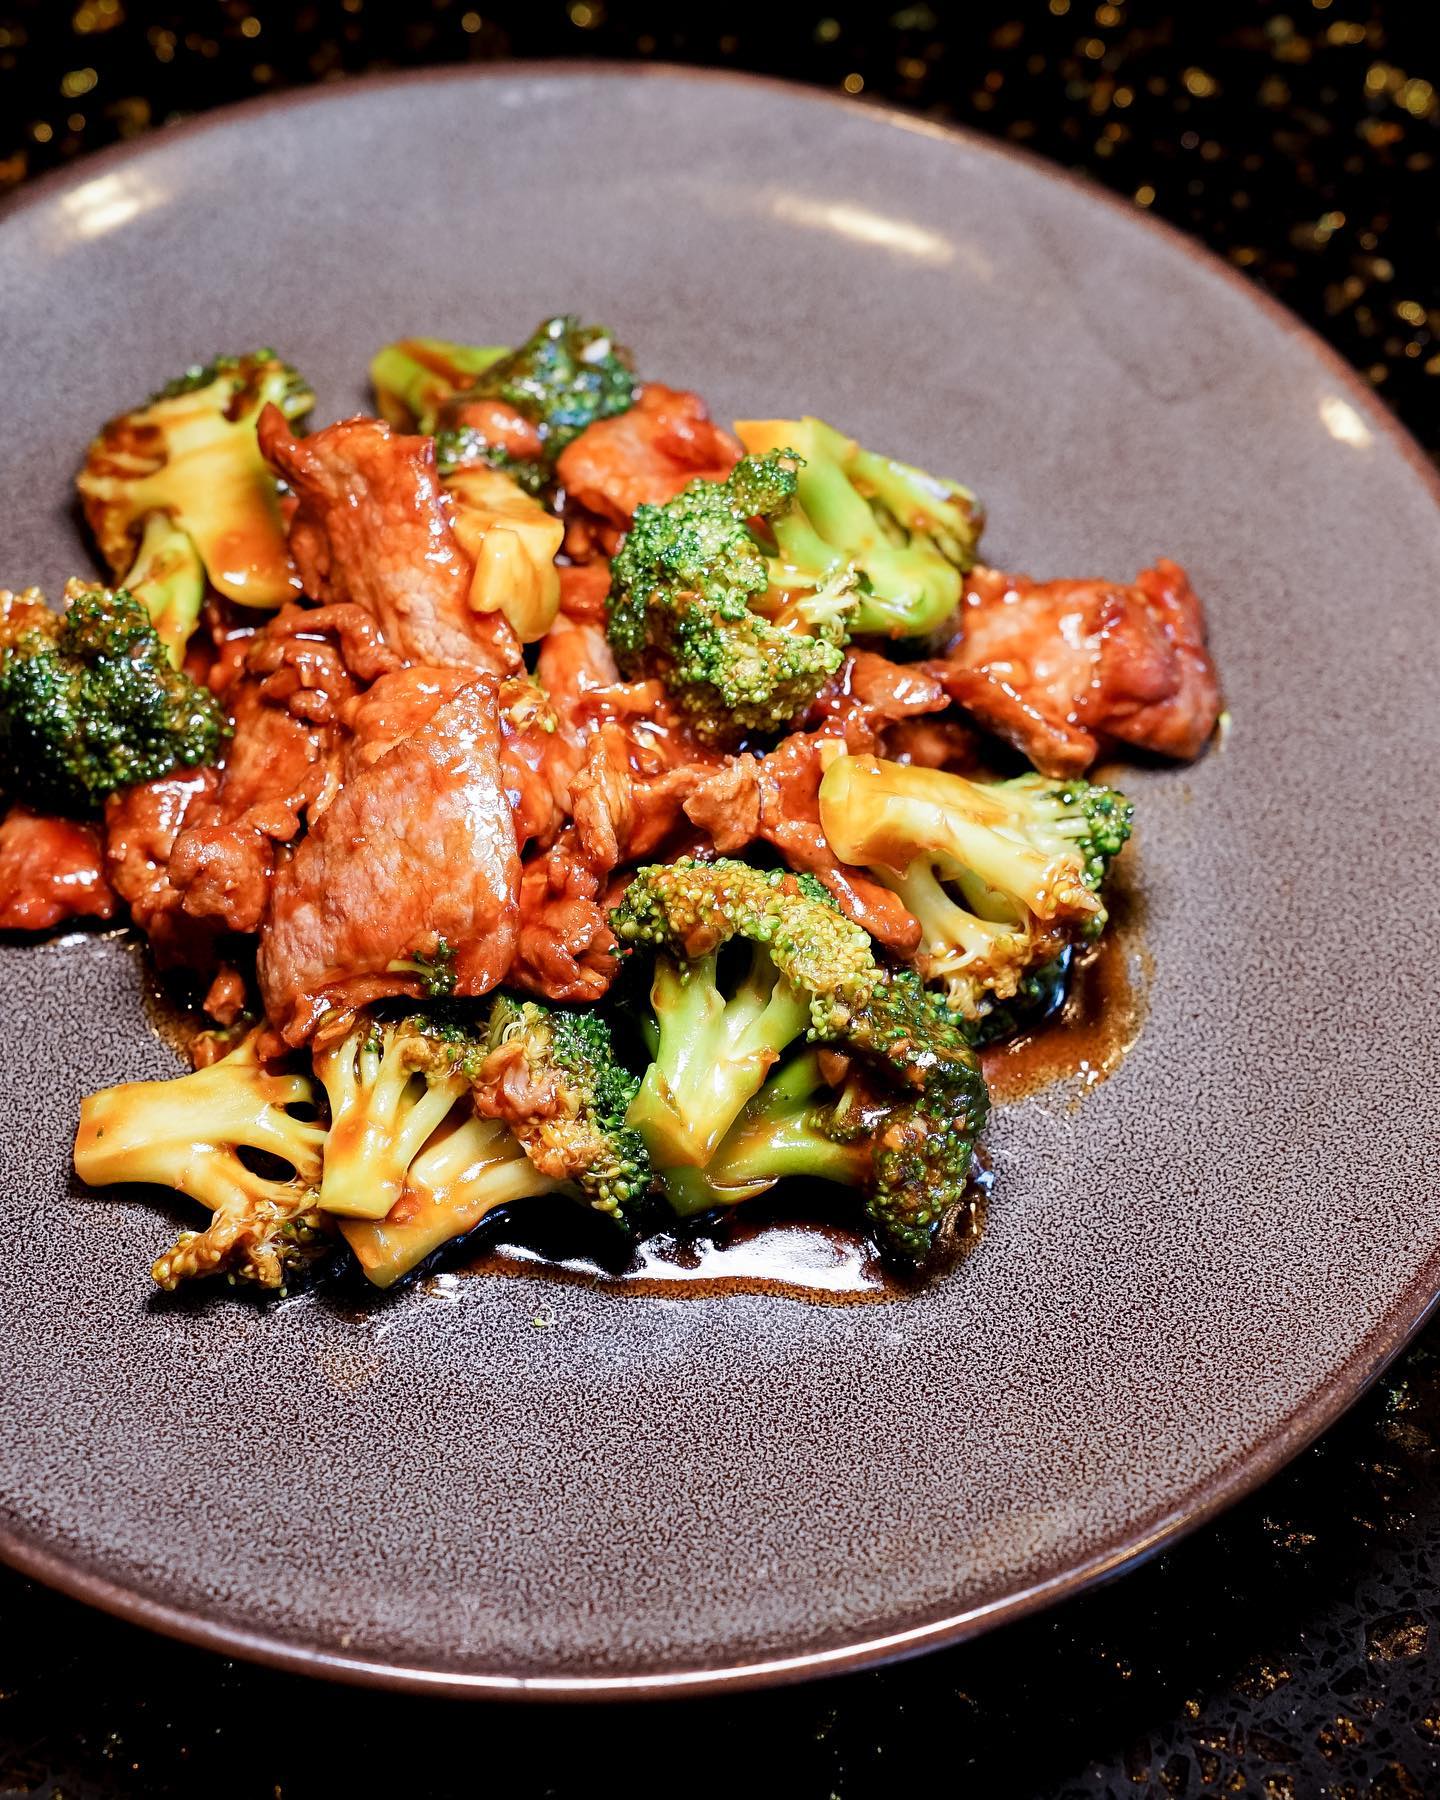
1237,1479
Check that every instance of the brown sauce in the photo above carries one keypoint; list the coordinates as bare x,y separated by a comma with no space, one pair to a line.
778,1251
176,1023
781,1250
1087,1039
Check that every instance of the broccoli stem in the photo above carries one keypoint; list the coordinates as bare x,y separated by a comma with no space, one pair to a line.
775,1136
414,377
382,1110
454,1182
713,1053
168,579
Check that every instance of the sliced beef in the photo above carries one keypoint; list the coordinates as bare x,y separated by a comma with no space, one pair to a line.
372,528
1060,668
645,456
414,859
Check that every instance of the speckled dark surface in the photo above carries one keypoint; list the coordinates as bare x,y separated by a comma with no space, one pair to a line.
1048,1129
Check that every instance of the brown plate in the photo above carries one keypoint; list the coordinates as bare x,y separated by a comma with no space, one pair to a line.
516,1485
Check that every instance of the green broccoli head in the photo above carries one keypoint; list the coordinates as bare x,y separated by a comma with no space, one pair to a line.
551,1074
242,380
905,536
191,453
200,1135
1002,876
89,701
564,377
690,599
806,973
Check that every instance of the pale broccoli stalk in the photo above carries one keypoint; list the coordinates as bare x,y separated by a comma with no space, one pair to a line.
168,579
191,454
458,1178
414,377
513,541
190,1134
390,1086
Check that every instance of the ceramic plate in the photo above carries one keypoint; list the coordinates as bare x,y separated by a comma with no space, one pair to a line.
512,1484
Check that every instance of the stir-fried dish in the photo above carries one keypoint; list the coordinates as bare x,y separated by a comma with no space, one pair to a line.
556,797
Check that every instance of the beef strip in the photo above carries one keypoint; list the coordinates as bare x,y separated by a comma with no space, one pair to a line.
417,852
644,456
372,528
1059,668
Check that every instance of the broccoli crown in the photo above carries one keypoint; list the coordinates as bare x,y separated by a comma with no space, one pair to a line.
552,1075
1097,821
564,377
685,586
904,535
1039,995
461,447
242,380
1002,876
89,702
812,975
691,909
188,1134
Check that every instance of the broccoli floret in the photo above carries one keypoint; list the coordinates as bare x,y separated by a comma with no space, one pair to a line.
812,974
193,1134
564,377
905,536
436,968
390,1086
437,1121
457,1179
512,541
1002,876
414,377
191,453
1038,996
89,701
834,1119
691,599
551,1074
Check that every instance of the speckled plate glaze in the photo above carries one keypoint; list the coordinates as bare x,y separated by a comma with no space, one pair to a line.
1184,1278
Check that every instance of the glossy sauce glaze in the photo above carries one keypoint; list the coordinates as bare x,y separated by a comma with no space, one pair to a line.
1089,1035
782,1251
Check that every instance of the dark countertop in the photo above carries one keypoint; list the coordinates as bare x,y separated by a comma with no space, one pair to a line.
1292,1650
